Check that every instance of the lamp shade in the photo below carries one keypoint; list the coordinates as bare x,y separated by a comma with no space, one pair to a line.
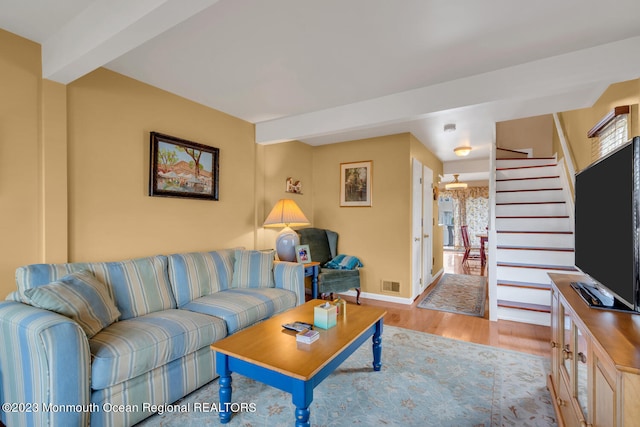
286,213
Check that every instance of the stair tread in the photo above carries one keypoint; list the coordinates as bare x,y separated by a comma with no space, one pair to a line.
527,178
531,216
524,306
537,248
537,266
534,232
529,190
529,203
525,167
522,158
518,284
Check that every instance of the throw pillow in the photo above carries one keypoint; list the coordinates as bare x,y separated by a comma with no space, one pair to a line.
253,269
344,262
79,296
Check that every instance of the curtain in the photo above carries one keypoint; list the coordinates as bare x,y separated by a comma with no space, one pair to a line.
470,208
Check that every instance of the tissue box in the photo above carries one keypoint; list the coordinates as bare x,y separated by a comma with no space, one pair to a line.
324,318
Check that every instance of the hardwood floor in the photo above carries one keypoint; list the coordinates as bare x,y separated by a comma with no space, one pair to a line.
517,336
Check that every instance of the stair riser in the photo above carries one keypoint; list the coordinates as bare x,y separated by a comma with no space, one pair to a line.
535,257
550,209
526,184
534,275
533,224
535,240
530,196
519,163
526,172
524,316
525,295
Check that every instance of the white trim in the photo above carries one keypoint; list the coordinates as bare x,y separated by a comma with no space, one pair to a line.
491,262
565,148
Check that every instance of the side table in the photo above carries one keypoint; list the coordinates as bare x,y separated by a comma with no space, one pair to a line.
312,269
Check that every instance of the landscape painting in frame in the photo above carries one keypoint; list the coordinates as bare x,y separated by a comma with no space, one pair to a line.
355,183
181,168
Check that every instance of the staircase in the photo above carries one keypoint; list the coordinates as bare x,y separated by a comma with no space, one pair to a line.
534,236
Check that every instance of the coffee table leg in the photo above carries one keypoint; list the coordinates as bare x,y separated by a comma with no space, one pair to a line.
302,396
377,346
222,366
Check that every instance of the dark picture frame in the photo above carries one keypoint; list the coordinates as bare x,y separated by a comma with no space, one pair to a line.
181,168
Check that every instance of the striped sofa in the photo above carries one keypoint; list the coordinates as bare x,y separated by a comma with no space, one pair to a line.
101,343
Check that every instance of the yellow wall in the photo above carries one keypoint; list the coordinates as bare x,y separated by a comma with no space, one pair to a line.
577,123
111,216
280,161
378,234
20,157
531,132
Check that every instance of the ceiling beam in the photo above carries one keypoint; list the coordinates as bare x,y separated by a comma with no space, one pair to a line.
548,77
107,29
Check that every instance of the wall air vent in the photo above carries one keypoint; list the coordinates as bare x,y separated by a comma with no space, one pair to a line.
390,286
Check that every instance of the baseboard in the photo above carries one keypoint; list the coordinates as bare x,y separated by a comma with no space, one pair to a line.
379,297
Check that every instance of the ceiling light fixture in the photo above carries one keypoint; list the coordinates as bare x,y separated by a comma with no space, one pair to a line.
462,151
455,185
450,127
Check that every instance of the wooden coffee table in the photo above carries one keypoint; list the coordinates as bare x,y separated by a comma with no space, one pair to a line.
268,353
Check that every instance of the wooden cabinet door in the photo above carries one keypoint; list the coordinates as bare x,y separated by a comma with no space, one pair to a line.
604,397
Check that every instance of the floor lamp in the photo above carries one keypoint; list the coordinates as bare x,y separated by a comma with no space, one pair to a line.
286,213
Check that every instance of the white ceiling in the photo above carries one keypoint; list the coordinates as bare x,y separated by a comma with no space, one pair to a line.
333,70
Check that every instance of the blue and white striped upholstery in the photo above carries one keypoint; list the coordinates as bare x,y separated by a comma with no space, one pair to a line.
138,287
155,354
132,347
162,385
253,269
196,274
290,276
240,308
44,359
79,296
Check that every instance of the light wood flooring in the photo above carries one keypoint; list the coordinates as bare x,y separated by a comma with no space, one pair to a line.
517,336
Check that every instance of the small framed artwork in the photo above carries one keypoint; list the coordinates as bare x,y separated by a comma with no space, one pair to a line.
293,186
303,254
181,168
355,183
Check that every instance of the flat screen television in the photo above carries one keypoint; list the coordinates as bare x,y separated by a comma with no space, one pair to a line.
606,229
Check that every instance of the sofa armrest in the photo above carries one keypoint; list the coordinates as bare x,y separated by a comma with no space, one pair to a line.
44,368
290,276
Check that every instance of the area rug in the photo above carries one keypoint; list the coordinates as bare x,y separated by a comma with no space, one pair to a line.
426,380
457,293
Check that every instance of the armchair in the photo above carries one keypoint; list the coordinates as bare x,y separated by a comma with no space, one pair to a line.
323,245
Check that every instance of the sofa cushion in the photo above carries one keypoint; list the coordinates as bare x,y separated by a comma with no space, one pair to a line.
243,307
132,347
196,274
253,269
138,286
79,296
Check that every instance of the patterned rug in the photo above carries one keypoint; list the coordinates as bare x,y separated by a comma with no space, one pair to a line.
426,380
457,293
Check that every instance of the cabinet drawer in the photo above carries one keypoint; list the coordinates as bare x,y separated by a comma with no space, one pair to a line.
563,400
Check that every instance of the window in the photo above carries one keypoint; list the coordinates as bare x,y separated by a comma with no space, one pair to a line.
610,132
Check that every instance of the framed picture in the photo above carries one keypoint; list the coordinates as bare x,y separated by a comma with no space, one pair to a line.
355,183
181,168
303,254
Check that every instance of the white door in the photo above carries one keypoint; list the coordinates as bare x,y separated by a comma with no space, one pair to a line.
427,227
416,229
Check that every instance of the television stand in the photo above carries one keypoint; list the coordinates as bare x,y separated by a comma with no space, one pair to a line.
595,360
595,299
